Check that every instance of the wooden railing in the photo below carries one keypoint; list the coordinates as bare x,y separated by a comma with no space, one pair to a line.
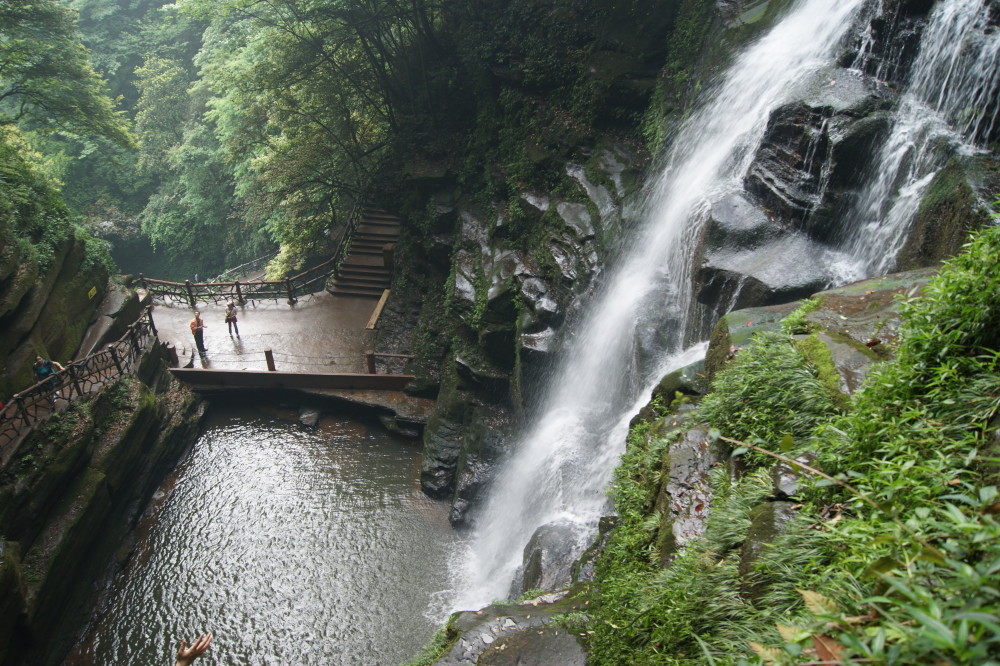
79,378
290,288
254,266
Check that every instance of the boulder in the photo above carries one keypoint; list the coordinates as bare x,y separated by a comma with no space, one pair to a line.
786,478
953,205
481,635
785,268
542,647
867,312
548,559
309,417
815,150
735,329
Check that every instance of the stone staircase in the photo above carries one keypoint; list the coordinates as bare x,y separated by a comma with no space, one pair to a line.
364,271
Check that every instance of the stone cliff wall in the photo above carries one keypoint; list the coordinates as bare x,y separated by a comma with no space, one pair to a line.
69,498
45,312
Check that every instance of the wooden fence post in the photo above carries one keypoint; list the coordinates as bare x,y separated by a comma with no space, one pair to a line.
142,280
22,410
239,294
370,359
172,359
270,359
149,315
187,283
290,290
132,340
114,357
74,379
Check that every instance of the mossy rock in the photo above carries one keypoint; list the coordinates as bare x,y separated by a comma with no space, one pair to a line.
949,210
736,328
12,593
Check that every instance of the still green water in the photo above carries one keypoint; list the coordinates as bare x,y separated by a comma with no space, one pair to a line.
291,546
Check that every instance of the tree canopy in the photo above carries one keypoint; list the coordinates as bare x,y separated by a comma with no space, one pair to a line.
46,79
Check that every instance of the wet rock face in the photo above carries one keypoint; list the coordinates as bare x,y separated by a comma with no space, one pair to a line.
442,445
811,147
769,243
893,40
684,500
548,559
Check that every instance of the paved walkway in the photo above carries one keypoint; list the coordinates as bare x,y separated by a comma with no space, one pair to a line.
320,333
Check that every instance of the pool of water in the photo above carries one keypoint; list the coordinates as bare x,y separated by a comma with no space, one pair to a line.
291,546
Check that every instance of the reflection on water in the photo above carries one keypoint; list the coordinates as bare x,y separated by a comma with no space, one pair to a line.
292,547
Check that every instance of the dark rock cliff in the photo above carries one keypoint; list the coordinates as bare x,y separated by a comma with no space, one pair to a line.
69,498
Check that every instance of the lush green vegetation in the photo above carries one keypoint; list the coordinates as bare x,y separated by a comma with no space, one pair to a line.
895,559
47,86
262,124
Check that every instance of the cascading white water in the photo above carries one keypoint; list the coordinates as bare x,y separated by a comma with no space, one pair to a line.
561,466
949,106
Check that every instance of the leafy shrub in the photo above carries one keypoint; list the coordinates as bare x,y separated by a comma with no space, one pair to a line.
767,391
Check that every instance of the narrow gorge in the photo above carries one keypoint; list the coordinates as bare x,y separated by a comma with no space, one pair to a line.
700,295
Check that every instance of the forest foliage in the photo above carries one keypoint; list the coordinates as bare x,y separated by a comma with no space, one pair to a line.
221,130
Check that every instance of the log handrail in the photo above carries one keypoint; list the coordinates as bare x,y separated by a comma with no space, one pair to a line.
78,378
290,288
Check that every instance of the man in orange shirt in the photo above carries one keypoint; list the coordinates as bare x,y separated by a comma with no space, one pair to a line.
198,331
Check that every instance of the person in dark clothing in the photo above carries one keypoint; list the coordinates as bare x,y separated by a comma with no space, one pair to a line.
198,331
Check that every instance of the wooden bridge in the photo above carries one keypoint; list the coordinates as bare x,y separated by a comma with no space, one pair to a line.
207,380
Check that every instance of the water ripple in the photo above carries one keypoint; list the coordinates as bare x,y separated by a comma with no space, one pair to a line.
291,546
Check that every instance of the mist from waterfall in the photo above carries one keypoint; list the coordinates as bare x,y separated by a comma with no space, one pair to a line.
948,107
562,464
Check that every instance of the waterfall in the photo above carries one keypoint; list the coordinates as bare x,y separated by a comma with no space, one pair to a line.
948,107
561,466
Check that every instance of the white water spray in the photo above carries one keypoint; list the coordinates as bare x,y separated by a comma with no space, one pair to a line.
561,466
949,106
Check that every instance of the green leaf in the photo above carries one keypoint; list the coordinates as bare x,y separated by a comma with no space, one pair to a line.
787,443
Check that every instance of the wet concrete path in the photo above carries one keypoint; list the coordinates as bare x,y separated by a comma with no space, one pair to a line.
319,333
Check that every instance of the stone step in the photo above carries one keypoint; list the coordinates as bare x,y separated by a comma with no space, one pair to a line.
364,268
375,235
379,213
362,280
368,251
380,222
380,273
356,291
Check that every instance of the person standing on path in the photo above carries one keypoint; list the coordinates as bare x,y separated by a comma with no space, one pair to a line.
231,318
198,331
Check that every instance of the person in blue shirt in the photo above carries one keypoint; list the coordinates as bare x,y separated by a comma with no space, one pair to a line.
45,371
